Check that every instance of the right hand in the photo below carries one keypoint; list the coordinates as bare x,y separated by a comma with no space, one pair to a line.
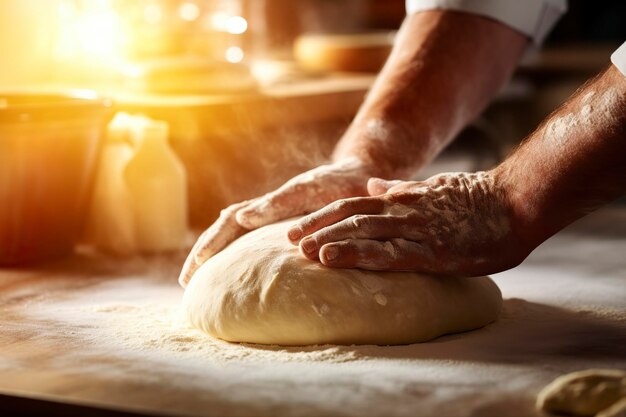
303,194
454,224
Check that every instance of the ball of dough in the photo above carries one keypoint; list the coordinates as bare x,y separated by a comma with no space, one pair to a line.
583,393
260,289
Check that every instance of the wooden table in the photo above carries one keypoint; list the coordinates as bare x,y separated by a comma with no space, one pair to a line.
101,333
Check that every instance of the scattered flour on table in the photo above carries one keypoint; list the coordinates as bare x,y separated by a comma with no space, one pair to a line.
135,318
128,329
155,328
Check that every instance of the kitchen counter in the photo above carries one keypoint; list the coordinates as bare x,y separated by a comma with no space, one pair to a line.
105,334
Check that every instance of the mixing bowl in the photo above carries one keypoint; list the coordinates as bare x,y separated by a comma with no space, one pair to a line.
49,146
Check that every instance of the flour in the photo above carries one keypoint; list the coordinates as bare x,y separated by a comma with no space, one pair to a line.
156,329
610,105
377,129
399,210
380,299
306,193
450,212
560,130
596,111
116,322
458,200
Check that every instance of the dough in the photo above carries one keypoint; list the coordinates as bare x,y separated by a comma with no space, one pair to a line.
261,290
583,393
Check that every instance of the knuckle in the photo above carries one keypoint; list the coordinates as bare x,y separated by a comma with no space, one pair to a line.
341,205
398,197
361,221
363,200
229,211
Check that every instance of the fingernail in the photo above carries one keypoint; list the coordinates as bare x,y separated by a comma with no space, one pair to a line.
295,234
331,253
308,245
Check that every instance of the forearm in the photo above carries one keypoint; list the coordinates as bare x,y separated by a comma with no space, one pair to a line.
573,163
444,69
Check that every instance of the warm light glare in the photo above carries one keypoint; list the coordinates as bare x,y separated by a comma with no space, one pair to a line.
153,13
234,54
189,11
237,25
223,22
266,72
96,33
219,21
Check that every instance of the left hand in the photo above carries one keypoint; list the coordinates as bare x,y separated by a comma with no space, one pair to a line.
450,224
302,194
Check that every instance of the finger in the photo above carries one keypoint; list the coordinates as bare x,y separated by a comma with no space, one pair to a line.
374,255
333,213
214,239
189,267
358,227
291,199
378,186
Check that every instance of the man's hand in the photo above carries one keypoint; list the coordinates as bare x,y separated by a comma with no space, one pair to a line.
471,224
419,102
450,224
302,194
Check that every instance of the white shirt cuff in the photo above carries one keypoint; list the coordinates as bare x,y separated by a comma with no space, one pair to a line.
619,58
533,18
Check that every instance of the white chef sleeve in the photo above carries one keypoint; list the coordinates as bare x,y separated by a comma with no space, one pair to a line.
533,18
619,58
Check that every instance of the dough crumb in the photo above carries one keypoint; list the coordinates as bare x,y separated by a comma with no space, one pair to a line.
583,393
380,299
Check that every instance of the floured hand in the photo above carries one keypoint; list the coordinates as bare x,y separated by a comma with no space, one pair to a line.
302,194
450,224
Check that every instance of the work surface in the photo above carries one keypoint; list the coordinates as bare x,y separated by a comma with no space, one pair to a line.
107,333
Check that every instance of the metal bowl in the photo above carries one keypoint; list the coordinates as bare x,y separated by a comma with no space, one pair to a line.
49,146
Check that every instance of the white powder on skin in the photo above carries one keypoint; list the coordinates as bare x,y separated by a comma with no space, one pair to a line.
601,111
377,129
451,210
398,209
314,189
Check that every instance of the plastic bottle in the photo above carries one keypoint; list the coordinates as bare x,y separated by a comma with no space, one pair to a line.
157,184
110,224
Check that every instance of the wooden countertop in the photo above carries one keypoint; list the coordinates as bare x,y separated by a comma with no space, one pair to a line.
104,334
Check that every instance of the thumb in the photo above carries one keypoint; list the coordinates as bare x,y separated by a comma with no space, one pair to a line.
378,186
